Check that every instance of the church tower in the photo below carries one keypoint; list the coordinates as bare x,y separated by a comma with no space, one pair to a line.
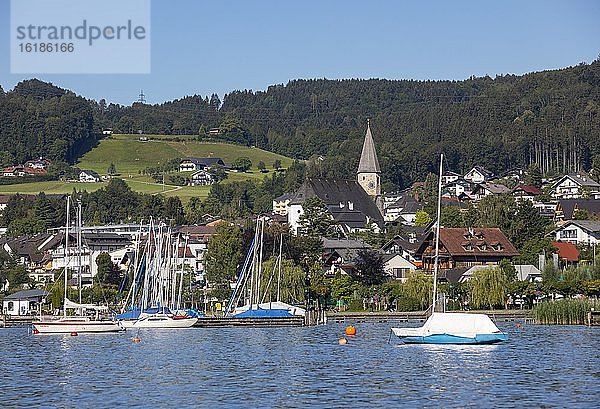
368,173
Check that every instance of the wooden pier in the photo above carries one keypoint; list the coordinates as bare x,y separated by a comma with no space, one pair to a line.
249,322
7,321
593,318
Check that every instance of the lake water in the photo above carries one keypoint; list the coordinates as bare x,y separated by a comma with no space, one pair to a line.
540,366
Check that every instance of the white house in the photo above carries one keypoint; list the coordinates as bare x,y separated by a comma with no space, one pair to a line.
397,266
449,177
192,164
89,176
485,189
23,302
478,174
281,204
574,185
585,232
528,272
526,192
202,178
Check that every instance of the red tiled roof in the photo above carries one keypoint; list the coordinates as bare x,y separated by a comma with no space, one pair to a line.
532,190
566,251
456,239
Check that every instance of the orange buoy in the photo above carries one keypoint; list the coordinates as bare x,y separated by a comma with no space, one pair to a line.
350,330
74,334
136,339
342,341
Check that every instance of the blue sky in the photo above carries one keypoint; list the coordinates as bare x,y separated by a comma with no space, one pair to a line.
201,47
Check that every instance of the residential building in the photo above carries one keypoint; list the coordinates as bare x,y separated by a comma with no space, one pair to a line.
577,185
478,174
281,204
528,272
482,190
466,247
397,267
403,210
193,164
89,176
567,209
526,192
579,232
339,255
449,177
568,255
202,178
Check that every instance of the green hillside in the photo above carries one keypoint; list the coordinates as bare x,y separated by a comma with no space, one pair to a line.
131,156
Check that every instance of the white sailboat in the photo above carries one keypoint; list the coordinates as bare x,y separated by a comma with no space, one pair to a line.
79,323
450,328
157,302
255,306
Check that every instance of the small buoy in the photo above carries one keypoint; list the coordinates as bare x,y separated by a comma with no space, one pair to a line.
136,339
342,341
35,331
74,334
350,330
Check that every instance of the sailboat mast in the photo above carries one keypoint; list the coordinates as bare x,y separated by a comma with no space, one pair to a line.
66,254
279,273
79,251
437,235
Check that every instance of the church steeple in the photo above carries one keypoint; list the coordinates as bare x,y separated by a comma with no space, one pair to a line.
368,167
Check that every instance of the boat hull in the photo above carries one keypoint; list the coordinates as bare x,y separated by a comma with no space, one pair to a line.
82,327
159,322
446,339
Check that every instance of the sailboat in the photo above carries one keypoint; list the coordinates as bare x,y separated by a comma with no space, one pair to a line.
450,328
78,323
156,303
255,305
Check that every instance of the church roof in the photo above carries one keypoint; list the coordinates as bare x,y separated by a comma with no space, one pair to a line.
336,192
368,158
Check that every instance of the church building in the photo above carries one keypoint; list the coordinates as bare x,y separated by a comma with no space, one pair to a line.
352,204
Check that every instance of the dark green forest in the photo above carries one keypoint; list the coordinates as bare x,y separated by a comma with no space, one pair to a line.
550,117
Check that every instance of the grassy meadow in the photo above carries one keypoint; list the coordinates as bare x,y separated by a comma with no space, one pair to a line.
131,156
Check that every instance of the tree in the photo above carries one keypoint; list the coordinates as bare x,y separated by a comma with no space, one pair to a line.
112,170
277,164
315,220
595,171
422,218
224,254
452,217
291,284
419,286
218,172
242,164
369,267
18,277
342,287
581,214
533,176
487,288
108,272
261,166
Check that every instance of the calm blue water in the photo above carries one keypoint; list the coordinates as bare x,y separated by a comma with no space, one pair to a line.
542,366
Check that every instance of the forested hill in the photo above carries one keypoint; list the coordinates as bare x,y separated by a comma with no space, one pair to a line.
549,117
40,119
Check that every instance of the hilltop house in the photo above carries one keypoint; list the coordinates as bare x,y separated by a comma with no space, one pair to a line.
192,164
339,255
485,189
478,174
526,192
466,247
281,204
89,176
575,186
202,178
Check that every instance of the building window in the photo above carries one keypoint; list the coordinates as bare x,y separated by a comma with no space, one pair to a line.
11,306
568,234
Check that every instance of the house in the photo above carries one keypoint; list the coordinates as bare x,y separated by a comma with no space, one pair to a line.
281,204
403,210
193,164
107,131
449,177
567,209
466,247
478,174
202,178
528,272
397,266
526,192
197,238
40,163
26,302
89,176
406,243
567,253
458,187
579,232
14,171
482,190
575,186
339,255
